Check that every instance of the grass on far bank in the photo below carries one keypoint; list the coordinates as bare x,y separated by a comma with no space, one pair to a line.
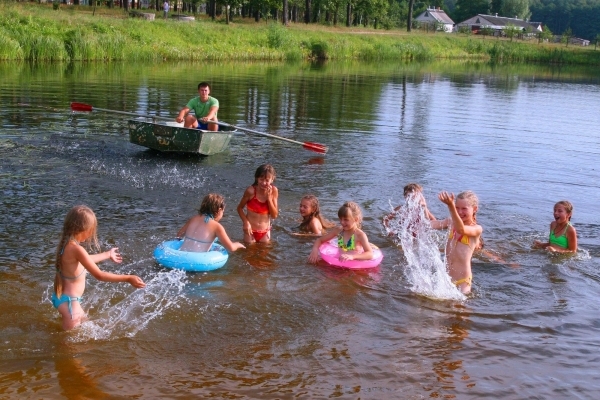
37,32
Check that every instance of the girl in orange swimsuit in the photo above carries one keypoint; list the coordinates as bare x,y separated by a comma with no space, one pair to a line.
260,202
464,237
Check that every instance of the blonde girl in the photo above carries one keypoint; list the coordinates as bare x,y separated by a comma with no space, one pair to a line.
563,236
200,231
351,239
312,220
260,202
464,237
73,261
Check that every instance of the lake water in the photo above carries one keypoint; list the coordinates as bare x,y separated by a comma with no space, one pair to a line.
268,325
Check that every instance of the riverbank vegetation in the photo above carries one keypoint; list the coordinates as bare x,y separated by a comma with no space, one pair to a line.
35,32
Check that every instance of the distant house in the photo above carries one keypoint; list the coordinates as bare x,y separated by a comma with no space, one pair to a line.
436,16
498,24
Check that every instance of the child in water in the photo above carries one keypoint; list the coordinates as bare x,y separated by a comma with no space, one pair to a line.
563,237
352,241
260,201
411,191
72,262
312,220
200,231
464,238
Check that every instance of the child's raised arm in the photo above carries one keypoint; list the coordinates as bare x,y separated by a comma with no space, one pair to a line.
457,223
272,195
88,263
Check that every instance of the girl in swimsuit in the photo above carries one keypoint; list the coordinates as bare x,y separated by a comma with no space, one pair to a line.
464,237
200,231
351,239
260,201
563,237
312,220
73,261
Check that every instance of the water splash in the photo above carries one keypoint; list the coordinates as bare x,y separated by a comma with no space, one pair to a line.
425,270
133,313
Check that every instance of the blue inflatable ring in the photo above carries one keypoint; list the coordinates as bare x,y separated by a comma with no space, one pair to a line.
168,255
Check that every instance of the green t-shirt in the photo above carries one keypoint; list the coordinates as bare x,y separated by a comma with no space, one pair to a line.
201,109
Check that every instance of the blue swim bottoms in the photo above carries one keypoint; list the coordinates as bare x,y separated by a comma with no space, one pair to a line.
202,126
64,299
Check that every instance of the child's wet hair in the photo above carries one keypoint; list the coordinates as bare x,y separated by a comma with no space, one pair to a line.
412,188
316,213
352,209
567,205
263,170
211,204
79,219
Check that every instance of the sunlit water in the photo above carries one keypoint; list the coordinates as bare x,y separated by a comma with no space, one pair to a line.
269,325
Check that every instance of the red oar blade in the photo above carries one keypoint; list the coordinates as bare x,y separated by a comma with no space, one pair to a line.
81,107
316,147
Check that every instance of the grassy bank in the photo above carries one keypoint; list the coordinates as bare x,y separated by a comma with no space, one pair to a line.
38,33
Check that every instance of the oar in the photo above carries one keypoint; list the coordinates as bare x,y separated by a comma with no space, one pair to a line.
316,147
89,108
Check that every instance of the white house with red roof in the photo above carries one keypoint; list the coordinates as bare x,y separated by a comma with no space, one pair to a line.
435,16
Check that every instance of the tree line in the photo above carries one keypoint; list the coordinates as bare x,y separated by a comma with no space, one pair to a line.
582,17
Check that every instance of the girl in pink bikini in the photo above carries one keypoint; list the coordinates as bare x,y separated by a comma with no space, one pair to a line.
260,201
464,237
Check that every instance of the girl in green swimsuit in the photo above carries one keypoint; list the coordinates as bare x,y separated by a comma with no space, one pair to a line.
563,236
350,238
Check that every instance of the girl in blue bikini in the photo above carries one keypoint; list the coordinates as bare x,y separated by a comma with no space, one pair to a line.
350,238
73,261
563,237
200,232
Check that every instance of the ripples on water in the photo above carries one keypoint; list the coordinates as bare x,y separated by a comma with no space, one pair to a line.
268,325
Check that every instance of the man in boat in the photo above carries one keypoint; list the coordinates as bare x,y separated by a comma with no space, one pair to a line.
205,109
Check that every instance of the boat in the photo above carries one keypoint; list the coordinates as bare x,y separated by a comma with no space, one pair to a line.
170,136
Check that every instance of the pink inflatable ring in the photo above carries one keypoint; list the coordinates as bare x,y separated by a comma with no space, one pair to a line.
330,253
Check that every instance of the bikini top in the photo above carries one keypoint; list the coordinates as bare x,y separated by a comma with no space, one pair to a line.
257,206
561,240
207,217
464,239
60,272
350,245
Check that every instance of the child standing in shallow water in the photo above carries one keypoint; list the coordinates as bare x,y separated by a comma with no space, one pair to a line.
464,238
73,261
200,231
563,237
352,241
260,201
312,220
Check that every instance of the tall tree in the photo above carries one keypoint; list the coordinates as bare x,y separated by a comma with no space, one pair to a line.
466,9
411,4
515,8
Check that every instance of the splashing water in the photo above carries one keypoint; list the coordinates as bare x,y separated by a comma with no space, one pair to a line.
133,313
426,270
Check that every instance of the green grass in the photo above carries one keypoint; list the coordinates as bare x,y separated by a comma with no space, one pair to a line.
37,33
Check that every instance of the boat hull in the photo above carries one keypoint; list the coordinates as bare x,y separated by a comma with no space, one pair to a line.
163,136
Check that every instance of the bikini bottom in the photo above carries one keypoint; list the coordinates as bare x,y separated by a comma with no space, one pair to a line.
56,301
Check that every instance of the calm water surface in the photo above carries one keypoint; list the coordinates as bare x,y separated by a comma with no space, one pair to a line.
268,325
